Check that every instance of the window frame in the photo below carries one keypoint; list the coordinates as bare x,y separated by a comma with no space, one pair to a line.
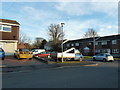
3,26
68,44
72,44
76,44
114,41
104,43
115,50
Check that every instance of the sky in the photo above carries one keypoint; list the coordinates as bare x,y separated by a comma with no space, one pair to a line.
35,17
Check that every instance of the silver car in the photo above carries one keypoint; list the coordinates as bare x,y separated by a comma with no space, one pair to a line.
103,56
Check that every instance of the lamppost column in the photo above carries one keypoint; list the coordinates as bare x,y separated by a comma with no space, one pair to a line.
93,45
62,40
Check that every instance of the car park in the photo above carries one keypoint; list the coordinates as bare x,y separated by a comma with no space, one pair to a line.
23,53
2,54
42,55
104,57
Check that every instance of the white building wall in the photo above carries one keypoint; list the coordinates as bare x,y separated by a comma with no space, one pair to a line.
9,47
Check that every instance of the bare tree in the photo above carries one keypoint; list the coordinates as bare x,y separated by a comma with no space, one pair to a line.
39,43
23,38
56,36
55,32
90,33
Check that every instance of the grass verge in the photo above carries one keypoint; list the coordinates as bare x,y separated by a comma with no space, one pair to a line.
70,62
116,58
89,57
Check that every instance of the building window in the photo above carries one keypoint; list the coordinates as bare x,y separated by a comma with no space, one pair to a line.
104,42
76,44
90,43
97,51
115,50
96,43
114,42
104,50
68,45
5,28
72,44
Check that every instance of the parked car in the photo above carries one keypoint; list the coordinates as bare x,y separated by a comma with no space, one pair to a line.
43,55
104,57
2,54
36,51
23,53
70,54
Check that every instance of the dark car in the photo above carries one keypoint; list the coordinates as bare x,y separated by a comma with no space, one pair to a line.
2,54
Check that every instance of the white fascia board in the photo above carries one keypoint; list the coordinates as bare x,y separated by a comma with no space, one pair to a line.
15,41
9,24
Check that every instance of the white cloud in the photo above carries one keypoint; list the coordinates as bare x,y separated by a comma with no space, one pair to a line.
76,29
108,29
72,8
84,8
109,8
38,14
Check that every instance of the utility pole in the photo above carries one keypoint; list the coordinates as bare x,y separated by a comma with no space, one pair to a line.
94,41
93,45
62,40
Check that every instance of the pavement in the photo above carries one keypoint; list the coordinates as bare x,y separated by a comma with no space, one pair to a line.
11,64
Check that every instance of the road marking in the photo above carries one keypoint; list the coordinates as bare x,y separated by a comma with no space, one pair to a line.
91,65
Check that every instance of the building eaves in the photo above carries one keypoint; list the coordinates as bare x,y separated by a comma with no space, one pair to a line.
112,37
9,21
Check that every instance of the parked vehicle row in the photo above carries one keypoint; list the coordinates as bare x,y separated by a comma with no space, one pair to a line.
69,54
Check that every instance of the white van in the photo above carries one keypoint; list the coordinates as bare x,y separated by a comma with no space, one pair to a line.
36,51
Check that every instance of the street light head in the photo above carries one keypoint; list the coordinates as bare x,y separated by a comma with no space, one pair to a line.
62,24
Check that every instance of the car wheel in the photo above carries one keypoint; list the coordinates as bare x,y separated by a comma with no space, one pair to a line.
30,58
80,59
94,59
104,60
18,58
111,60
14,56
3,58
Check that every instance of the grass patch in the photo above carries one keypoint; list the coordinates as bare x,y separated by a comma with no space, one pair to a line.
89,57
116,58
70,62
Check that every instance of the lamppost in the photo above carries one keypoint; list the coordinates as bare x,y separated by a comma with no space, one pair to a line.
94,40
93,45
62,24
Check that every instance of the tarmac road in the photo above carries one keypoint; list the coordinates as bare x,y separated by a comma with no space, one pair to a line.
105,75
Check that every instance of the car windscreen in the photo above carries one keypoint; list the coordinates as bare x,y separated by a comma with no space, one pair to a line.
24,50
108,55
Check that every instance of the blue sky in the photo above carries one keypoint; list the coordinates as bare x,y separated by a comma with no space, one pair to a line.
35,17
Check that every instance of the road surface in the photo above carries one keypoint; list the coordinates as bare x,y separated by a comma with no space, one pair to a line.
105,75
